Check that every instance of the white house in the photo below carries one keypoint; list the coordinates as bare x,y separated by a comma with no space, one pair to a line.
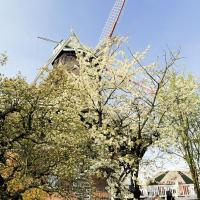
179,183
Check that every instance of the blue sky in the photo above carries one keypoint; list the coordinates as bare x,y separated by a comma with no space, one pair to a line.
162,24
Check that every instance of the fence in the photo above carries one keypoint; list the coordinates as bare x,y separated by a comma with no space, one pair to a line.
178,190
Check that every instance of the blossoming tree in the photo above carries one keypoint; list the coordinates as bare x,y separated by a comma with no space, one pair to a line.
121,111
182,97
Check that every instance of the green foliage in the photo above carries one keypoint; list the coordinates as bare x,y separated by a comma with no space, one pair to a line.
40,133
182,97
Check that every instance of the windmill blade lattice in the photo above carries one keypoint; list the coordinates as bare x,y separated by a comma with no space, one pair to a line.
112,19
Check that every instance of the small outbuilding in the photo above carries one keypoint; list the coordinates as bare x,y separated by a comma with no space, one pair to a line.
179,183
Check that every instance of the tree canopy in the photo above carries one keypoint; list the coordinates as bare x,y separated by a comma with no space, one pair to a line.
41,136
183,98
100,119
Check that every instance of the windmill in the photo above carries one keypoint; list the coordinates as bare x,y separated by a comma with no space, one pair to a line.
65,50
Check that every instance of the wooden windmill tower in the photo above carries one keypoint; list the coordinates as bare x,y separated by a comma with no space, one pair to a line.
64,52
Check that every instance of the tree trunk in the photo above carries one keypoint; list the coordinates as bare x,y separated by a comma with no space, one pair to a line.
134,183
193,168
3,189
195,180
